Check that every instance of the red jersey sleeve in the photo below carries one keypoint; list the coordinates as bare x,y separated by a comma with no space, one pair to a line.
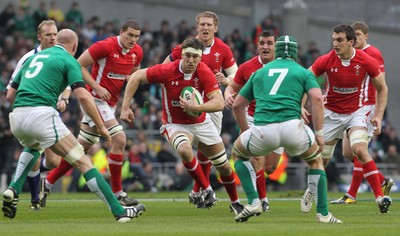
100,49
240,77
156,73
319,65
176,53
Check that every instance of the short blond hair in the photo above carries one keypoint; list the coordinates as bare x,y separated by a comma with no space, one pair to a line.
360,25
208,14
43,23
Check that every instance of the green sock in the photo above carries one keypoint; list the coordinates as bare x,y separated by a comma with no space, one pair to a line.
26,161
99,186
318,187
247,176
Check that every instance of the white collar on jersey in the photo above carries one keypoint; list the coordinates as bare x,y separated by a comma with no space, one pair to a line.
185,76
346,62
366,46
124,50
207,50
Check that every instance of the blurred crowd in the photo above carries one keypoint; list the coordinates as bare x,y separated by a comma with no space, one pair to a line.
145,149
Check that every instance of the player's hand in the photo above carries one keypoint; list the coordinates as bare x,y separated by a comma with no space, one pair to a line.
320,141
304,115
221,78
103,93
377,123
61,106
103,131
229,100
188,105
127,115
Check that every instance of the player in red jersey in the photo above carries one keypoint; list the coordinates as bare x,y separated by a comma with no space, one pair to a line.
361,29
112,60
347,70
266,54
181,130
217,56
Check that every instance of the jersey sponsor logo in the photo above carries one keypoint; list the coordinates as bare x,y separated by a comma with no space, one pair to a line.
334,69
217,56
175,83
113,75
116,55
345,90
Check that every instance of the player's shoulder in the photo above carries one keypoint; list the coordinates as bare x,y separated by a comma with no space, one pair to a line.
219,43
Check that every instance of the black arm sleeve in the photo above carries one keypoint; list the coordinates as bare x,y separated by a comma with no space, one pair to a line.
77,85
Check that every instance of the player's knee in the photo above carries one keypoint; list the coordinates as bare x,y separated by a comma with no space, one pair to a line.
358,136
219,159
113,130
119,140
74,154
89,137
239,154
269,169
327,152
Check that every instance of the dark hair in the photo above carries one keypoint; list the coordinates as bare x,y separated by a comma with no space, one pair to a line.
129,23
347,29
194,43
268,33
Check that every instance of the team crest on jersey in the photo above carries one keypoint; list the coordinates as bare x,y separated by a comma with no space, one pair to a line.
134,59
196,82
357,67
217,56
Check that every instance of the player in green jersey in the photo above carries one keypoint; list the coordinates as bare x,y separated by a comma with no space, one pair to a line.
278,89
37,125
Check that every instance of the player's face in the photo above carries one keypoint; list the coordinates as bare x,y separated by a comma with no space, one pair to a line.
129,37
343,48
266,48
206,29
361,39
190,61
48,36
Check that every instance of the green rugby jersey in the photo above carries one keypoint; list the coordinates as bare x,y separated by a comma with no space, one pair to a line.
44,76
278,89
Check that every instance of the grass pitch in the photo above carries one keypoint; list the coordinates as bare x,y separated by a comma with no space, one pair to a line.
169,213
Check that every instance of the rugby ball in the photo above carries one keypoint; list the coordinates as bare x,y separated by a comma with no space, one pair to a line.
186,94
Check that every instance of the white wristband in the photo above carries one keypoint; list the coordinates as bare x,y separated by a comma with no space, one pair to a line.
319,132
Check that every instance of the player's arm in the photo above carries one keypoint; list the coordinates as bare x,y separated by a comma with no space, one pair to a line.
216,103
381,101
133,83
88,105
64,99
11,92
239,112
231,71
317,110
230,93
167,60
86,60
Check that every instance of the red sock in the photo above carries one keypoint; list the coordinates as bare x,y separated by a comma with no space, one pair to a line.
194,169
358,177
206,165
230,186
261,186
371,175
58,172
115,162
